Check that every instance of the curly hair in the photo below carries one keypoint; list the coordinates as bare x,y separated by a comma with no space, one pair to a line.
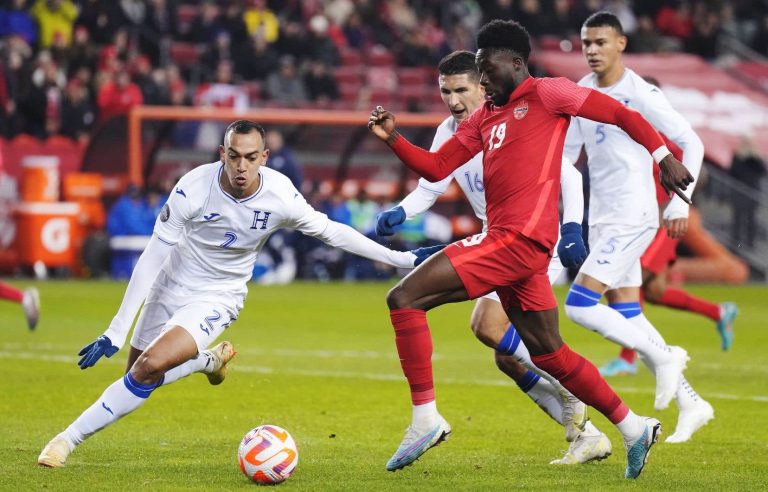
457,63
501,34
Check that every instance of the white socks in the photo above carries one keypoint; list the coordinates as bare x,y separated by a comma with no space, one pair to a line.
122,397
203,361
425,415
631,428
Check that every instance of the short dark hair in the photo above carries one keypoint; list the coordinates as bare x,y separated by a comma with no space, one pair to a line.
457,63
501,34
244,127
604,19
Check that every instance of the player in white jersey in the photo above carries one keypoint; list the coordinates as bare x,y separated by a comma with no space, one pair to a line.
624,218
461,91
193,275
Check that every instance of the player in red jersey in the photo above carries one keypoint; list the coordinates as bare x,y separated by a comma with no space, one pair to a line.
656,261
28,299
521,130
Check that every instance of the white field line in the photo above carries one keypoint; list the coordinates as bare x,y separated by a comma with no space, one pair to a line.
363,375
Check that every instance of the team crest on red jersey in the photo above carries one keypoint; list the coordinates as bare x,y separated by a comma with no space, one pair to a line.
520,110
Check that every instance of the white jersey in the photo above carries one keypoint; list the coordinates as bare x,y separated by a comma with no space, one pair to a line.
469,177
622,190
219,236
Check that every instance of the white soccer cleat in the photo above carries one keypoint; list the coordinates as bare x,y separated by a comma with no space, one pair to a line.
221,354
585,449
668,376
55,453
690,420
416,442
574,416
30,303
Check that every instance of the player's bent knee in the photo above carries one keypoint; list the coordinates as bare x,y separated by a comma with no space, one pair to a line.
148,369
397,298
510,366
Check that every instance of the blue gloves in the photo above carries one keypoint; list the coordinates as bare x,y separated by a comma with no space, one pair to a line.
93,351
388,219
423,253
571,247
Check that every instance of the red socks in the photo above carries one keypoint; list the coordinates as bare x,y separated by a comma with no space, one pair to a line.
628,355
581,378
10,293
680,299
414,346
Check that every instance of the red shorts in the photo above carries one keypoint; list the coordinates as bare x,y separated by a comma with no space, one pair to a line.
661,253
506,262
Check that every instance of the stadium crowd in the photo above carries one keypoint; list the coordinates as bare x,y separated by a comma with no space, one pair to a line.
66,65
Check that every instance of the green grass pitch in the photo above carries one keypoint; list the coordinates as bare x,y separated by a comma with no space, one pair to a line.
320,360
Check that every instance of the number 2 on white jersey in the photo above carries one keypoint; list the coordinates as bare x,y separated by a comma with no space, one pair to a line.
498,132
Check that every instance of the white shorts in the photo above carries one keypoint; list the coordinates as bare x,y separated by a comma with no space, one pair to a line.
205,316
554,270
615,251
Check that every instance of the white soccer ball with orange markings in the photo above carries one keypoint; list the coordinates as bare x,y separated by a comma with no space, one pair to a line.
268,454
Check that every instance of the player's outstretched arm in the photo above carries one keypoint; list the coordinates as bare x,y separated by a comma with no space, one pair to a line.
434,166
141,281
599,107
416,202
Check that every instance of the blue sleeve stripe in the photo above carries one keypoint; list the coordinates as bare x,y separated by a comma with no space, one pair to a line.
509,341
627,309
164,241
528,381
581,297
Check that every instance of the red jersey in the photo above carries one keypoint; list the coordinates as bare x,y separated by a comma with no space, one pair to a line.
522,145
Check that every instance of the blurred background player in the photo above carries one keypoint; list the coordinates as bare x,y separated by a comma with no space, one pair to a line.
511,257
461,91
194,273
655,263
624,218
28,299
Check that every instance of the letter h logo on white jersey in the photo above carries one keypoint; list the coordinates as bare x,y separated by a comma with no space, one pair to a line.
257,218
498,132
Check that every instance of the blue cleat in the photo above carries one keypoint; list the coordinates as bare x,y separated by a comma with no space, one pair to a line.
619,367
728,311
637,454
416,443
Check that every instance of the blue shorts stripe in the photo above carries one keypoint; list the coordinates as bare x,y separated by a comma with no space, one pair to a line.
581,296
627,309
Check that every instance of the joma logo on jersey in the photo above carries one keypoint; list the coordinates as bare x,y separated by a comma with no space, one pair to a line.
258,219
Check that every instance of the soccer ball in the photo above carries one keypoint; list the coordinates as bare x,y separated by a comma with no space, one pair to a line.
268,454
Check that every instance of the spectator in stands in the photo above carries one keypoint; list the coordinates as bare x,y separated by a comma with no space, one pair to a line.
159,29
499,9
645,39
117,96
400,15
293,40
16,19
16,72
221,93
7,104
320,45
96,16
363,212
357,34
113,55
623,10
154,90
208,24
258,17
706,30
321,84
675,20
82,52
748,168
285,86
282,158
130,215
77,113
43,109
415,51
255,59
338,11
760,40
54,16
218,51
